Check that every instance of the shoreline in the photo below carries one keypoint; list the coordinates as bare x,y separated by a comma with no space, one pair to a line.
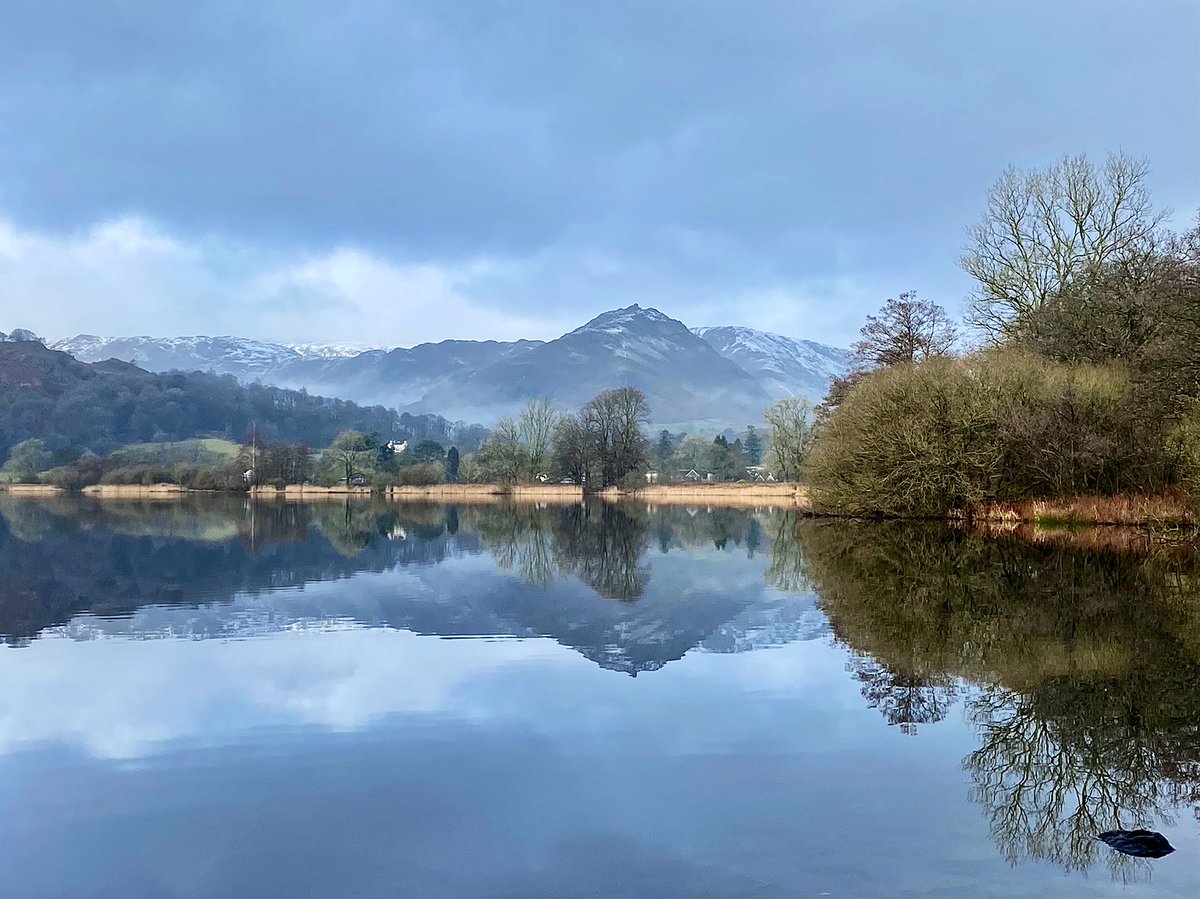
725,496
1166,511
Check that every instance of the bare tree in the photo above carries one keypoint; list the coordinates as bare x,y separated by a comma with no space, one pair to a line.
348,454
573,450
502,456
615,420
905,330
790,423
536,425
1046,230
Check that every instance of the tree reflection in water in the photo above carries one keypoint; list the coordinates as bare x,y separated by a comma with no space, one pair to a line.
902,699
1080,669
600,543
1076,665
604,545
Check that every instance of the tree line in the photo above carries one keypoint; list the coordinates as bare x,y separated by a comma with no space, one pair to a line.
603,444
1083,376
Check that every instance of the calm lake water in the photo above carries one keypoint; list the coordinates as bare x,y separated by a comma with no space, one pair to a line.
228,699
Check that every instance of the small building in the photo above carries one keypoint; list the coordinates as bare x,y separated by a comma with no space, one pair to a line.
759,474
692,474
652,477
396,447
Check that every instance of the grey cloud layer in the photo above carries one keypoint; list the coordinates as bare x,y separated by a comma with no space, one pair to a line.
701,154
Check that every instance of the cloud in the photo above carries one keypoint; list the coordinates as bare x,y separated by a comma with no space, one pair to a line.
155,693
121,276
542,162
132,276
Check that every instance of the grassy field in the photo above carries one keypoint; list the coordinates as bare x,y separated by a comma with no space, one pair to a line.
199,451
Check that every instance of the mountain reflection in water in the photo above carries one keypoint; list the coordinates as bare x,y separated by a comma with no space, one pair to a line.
1077,669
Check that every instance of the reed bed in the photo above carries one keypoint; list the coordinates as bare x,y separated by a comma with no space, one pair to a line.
1169,510
736,496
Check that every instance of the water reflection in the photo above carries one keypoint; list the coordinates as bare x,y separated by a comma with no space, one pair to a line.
135,556
601,544
1077,667
903,699
1083,664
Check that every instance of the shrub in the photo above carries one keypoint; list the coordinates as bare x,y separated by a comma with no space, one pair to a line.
83,472
902,442
144,475
952,434
208,477
633,482
1063,429
421,475
1183,450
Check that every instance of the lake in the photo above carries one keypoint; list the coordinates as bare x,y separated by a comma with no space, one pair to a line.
217,697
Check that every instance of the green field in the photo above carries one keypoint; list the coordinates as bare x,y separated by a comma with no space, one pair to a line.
199,451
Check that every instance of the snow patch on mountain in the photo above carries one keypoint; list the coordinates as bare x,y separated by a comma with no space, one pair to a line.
786,366
334,350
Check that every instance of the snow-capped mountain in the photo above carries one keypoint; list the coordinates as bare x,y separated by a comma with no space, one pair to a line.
241,357
718,376
684,379
784,366
332,350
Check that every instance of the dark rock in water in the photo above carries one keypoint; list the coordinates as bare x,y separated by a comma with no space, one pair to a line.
1139,843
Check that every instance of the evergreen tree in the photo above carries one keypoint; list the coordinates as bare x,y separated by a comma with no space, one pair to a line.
754,445
719,461
452,463
664,451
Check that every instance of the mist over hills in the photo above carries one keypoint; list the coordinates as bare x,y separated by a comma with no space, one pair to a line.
714,376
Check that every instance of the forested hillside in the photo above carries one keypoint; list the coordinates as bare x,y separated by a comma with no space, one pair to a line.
75,405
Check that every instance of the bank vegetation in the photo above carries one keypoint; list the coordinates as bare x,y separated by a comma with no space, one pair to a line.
1080,397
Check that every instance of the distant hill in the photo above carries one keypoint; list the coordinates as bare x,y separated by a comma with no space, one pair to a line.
48,394
717,376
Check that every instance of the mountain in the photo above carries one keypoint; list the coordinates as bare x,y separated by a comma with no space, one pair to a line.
241,357
684,379
783,366
416,378
715,377
47,394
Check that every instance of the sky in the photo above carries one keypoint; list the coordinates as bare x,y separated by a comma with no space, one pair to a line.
388,173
